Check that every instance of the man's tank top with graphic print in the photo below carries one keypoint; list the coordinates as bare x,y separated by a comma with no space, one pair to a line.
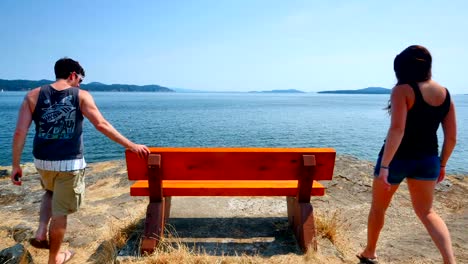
59,124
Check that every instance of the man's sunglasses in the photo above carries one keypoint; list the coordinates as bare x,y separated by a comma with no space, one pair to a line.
80,76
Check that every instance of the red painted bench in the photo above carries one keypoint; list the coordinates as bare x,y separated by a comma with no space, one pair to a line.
290,172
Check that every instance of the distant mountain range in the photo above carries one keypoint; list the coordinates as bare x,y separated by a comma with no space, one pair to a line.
25,85
368,90
279,91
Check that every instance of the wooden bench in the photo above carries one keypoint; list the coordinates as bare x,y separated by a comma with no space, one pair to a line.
290,172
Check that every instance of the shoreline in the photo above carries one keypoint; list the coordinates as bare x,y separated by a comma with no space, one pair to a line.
6,169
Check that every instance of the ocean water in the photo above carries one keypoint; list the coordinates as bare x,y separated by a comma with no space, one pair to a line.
352,124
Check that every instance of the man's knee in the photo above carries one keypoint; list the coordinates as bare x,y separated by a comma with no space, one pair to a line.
58,222
57,229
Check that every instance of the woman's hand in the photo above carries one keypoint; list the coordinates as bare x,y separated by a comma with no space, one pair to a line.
383,176
441,174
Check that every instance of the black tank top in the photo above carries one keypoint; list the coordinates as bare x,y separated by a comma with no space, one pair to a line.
59,124
422,122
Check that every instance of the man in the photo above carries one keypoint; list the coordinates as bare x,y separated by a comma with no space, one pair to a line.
58,111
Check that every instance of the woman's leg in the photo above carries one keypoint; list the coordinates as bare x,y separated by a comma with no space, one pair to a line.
422,195
381,198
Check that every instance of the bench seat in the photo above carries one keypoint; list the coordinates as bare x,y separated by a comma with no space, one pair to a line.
225,188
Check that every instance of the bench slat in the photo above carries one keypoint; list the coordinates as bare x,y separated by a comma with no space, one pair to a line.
233,163
226,188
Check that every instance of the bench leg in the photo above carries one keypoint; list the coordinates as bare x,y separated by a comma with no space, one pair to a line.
301,220
291,202
154,226
167,208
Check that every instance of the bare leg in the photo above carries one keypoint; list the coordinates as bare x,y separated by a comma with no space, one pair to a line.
44,215
58,226
422,196
381,199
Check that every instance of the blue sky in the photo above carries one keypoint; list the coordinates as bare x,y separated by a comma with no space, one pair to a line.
233,45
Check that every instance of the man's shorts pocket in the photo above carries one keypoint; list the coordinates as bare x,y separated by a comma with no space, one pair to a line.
68,192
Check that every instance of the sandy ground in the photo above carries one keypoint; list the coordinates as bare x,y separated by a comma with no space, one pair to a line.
235,226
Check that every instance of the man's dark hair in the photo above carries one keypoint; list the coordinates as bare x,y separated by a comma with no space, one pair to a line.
65,66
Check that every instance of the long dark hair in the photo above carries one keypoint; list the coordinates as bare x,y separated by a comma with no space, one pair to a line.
412,65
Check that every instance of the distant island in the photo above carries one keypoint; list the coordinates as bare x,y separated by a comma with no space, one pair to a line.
368,90
279,91
25,85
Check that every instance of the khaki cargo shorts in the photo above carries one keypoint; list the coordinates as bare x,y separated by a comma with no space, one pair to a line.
68,188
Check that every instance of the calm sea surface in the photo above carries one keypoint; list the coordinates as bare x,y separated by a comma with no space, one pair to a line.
352,124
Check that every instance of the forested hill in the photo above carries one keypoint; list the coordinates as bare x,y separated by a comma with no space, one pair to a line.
25,85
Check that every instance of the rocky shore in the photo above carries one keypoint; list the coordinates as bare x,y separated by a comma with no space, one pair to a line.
230,226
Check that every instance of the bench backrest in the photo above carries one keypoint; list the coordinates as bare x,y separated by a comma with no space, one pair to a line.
233,163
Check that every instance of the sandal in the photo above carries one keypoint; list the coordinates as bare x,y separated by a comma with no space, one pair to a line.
67,255
364,260
41,244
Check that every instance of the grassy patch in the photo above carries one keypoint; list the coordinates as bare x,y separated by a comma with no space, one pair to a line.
329,226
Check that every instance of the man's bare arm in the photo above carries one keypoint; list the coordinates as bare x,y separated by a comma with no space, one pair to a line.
19,137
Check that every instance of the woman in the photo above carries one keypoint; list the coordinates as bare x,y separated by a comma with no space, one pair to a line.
417,106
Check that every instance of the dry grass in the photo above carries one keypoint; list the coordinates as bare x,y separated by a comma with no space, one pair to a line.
118,237
121,236
328,226
171,250
332,226
183,255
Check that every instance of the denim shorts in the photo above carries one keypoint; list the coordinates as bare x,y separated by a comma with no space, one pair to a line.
426,168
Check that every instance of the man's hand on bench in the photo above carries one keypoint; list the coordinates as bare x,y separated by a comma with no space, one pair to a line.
141,150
